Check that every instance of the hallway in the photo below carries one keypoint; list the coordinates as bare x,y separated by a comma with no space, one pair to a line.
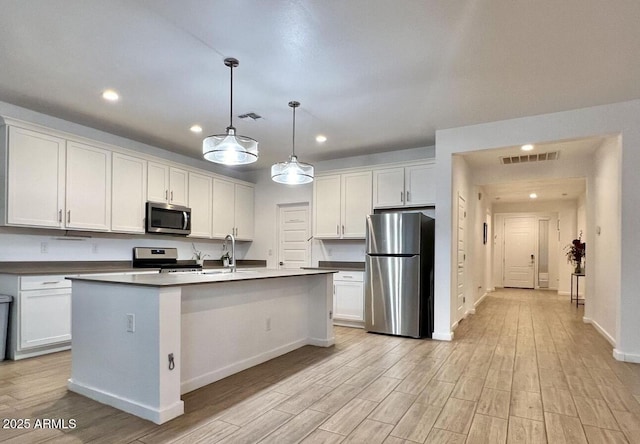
524,368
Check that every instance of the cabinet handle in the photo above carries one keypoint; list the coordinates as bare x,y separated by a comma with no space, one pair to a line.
402,196
50,282
338,230
69,216
334,288
166,194
343,229
346,277
171,195
59,216
408,197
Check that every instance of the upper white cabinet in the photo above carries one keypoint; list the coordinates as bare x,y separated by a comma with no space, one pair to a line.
88,187
128,193
200,202
233,210
341,203
35,182
404,186
167,184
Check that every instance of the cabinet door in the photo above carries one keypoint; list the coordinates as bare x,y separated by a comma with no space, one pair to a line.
223,208
348,301
35,191
243,214
128,193
420,184
179,187
200,202
45,317
88,187
356,204
388,187
326,207
157,182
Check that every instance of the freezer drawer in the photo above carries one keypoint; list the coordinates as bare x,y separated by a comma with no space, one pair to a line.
392,295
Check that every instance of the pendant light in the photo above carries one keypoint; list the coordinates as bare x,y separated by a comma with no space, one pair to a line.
229,148
292,172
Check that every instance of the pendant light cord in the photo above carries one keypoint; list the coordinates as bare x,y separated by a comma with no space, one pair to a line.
293,138
231,99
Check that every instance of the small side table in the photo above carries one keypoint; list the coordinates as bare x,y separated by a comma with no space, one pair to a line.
577,294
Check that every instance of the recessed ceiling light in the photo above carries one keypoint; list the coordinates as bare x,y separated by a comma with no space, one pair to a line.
110,95
527,147
196,129
320,138
533,196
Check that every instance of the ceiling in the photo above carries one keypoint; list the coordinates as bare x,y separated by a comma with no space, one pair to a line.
371,75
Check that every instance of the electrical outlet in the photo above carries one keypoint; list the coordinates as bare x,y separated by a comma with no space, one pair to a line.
131,322
267,324
44,247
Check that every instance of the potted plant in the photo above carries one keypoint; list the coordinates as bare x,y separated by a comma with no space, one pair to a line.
575,252
198,255
225,258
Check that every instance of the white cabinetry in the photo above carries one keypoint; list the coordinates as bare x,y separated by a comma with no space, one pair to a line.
167,184
341,203
404,186
88,187
128,193
348,298
233,210
200,202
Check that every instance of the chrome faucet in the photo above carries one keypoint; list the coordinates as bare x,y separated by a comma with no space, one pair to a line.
232,259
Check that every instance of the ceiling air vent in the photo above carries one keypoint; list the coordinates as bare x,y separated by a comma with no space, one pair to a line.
252,116
527,158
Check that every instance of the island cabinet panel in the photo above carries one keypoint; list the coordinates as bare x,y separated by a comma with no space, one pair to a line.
128,193
35,191
200,202
88,187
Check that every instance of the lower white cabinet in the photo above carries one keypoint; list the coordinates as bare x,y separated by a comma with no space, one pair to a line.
348,298
45,317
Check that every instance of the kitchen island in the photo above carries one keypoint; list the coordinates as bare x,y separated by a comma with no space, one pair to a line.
140,341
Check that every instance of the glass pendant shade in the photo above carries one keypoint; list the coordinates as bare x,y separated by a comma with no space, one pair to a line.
229,148
292,172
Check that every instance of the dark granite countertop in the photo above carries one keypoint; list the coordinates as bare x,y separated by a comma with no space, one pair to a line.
338,265
88,267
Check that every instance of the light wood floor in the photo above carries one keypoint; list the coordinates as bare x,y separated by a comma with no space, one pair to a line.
524,368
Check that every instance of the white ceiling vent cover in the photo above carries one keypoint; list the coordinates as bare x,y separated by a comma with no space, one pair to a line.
527,158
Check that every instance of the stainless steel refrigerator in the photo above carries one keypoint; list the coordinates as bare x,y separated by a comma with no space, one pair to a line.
399,274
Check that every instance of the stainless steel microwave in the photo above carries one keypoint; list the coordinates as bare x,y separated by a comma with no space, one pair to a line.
168,219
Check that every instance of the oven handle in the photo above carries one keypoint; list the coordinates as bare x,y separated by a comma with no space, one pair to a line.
186,220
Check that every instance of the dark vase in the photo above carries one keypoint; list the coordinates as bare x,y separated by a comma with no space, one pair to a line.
578,269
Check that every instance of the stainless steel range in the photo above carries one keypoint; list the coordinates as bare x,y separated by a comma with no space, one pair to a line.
166,259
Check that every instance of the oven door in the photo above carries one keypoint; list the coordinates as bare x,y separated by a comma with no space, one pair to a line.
168,219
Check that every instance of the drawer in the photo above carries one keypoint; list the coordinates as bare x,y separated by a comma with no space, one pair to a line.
351,276
44,282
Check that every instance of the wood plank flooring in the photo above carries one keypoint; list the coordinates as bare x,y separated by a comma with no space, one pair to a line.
523,369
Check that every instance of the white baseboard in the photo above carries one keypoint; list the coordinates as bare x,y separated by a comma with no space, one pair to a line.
600,330
322,342
563,293
471,311
479,301
220,373
159,416
626,357
442,336
454,326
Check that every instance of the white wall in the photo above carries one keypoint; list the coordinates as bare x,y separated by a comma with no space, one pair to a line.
481,253
602,255
621,118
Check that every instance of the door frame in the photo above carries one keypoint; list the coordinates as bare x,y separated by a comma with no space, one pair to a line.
279,207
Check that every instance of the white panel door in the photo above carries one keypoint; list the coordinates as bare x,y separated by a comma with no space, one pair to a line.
519,252
326,207
45,317
88,187
179,187
293,236
157,182
356,204
128,193
461,257
388,187
200,202
35,191
223,208
244,211
420,185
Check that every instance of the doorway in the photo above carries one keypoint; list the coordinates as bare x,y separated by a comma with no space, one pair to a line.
519,252
294,249
462,257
